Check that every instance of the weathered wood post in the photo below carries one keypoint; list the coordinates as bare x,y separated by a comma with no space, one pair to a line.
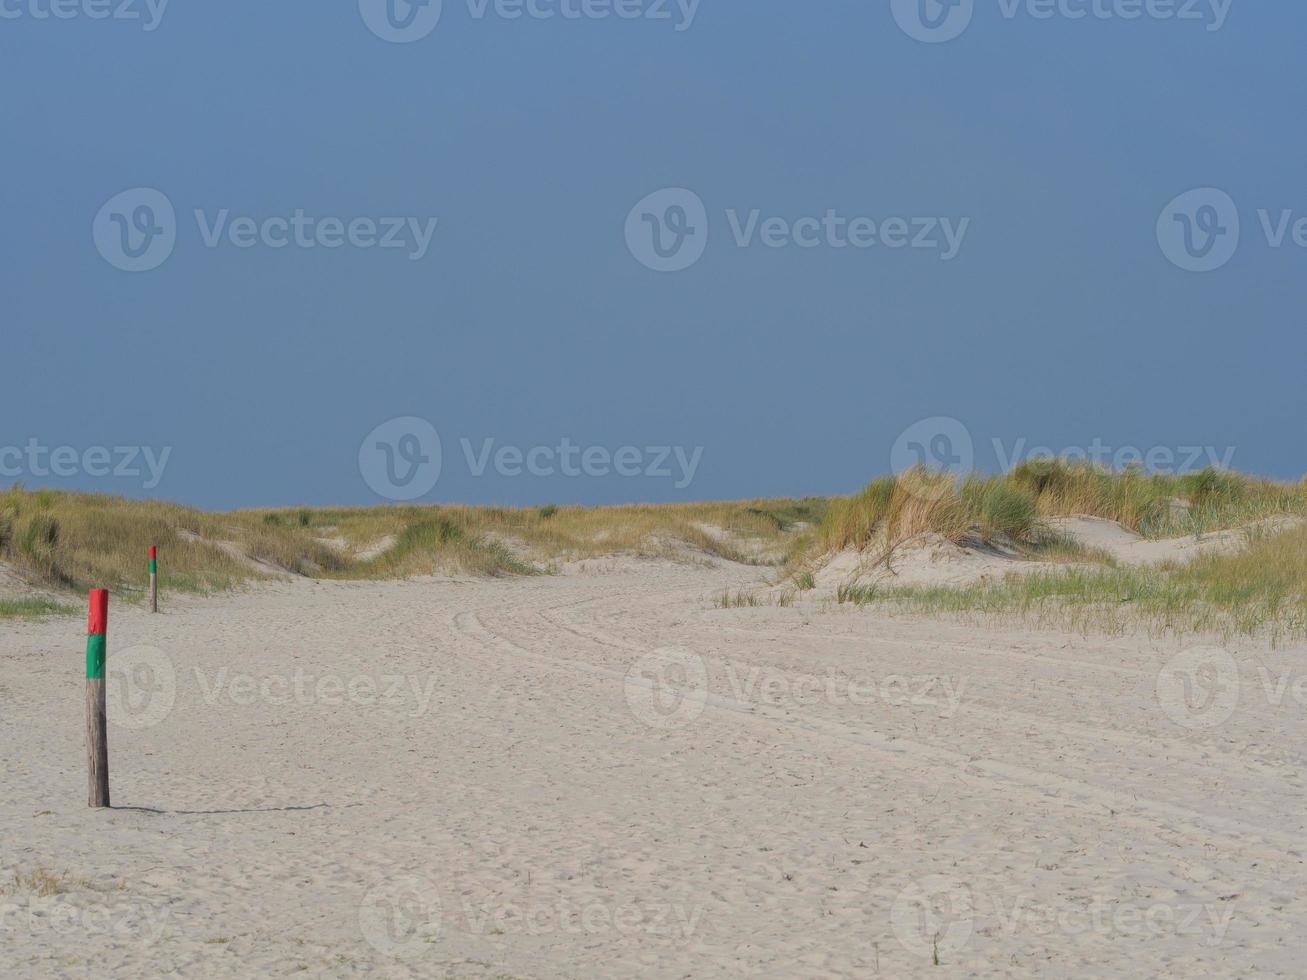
154,579
97,736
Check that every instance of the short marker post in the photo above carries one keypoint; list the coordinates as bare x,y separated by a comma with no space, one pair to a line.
154,579
97,736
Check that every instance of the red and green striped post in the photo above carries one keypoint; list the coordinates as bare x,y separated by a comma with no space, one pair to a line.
154,579
97,735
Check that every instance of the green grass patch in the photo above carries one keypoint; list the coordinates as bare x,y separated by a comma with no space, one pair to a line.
34,609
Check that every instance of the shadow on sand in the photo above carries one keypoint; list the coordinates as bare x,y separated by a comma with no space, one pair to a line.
210,813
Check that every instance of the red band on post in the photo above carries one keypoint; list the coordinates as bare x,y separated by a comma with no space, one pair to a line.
97,618
154,552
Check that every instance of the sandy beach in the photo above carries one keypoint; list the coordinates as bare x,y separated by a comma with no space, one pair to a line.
600,773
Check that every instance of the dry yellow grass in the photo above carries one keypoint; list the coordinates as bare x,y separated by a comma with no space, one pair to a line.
897,508
74,541
43,883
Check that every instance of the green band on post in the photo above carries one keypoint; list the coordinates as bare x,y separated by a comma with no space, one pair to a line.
95,647
154,566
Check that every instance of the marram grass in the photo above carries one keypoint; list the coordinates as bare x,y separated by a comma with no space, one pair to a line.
1259,589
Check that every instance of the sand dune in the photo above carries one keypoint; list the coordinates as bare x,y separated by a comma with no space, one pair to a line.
599,773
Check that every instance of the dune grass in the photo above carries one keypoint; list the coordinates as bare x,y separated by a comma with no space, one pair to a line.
72,541
1261,587
1016,505
1258,589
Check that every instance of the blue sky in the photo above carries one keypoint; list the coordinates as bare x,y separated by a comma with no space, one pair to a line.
780,360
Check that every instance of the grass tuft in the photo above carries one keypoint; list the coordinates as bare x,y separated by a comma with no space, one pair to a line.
43,883
1013,508
1259,589
34,609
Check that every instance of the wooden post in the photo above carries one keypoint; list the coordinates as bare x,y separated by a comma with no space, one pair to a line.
97,735
154,579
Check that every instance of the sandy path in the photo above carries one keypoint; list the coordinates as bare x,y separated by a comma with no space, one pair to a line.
487,779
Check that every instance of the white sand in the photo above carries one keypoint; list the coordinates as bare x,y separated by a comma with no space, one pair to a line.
837,793
1130,548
